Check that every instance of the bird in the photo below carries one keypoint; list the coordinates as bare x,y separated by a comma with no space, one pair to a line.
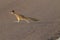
20,17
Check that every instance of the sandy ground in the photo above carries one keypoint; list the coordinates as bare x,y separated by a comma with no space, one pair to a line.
47,11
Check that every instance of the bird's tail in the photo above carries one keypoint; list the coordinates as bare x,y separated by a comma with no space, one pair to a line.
33,19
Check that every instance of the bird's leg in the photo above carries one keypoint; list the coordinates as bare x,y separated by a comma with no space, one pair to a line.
17,21
26,20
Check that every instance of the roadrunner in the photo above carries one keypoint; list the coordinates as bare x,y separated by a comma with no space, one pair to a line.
22,17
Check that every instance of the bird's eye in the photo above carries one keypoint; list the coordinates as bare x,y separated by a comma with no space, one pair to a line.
12,10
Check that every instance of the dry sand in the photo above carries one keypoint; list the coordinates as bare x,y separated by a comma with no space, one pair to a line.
47,11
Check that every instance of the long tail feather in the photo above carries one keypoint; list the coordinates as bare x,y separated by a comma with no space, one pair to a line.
33,19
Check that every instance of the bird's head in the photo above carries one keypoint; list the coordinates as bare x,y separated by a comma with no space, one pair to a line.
12,12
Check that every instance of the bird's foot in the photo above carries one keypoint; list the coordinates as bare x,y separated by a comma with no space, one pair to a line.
16,21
